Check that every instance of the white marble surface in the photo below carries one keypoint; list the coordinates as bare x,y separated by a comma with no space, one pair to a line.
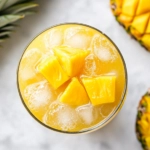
19,131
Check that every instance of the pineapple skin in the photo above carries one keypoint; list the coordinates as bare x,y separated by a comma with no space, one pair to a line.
143,121
134,16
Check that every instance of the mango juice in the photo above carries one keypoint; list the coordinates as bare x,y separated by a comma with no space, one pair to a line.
72,77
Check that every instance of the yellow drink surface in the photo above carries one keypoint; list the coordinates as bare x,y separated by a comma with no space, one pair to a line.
42,99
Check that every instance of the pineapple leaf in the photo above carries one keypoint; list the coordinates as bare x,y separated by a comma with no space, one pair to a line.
8,27
4,33
20,7
3,38
4,20
11,11
10,3
27,13
2,3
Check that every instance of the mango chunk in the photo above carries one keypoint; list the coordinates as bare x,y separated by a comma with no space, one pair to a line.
52,71
74,94
100,89
71,59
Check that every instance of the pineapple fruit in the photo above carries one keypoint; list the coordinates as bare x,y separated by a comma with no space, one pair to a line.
64,66
143,121
79,98
101,89
134,15
52,71
11,11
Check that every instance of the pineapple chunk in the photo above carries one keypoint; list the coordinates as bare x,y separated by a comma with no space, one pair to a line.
144,123
143,7
147,99
146,40
148,27
52,71
74,94
147,140
140,22
100,89
71,59
129,7
126,20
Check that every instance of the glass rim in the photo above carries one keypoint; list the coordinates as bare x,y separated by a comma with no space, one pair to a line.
110,116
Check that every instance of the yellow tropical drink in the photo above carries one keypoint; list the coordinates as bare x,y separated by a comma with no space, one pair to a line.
72,78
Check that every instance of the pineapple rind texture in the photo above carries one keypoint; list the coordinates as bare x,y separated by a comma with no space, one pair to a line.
143,121
134,15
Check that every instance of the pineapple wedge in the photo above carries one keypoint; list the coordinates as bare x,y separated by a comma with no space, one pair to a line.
71,59
101,89
134,15
143,121
74,94
52,71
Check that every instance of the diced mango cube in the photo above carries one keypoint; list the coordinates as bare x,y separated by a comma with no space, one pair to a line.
52,71
100,89
74,94
71,59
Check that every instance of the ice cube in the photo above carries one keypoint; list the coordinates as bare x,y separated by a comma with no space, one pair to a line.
91,66
106,109
29,62
53,38
103,48
112,73
87,113
77,37
38,94
103,54
61,116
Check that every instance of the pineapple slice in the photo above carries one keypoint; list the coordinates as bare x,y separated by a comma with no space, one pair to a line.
74,94
100,89
143,121
52,71
135,16
71,59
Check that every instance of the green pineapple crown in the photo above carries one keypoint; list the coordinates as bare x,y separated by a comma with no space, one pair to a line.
11,11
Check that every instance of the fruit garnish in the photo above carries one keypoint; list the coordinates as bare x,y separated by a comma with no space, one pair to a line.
52,71
100,89
134,15
71,59
143,121
74,94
